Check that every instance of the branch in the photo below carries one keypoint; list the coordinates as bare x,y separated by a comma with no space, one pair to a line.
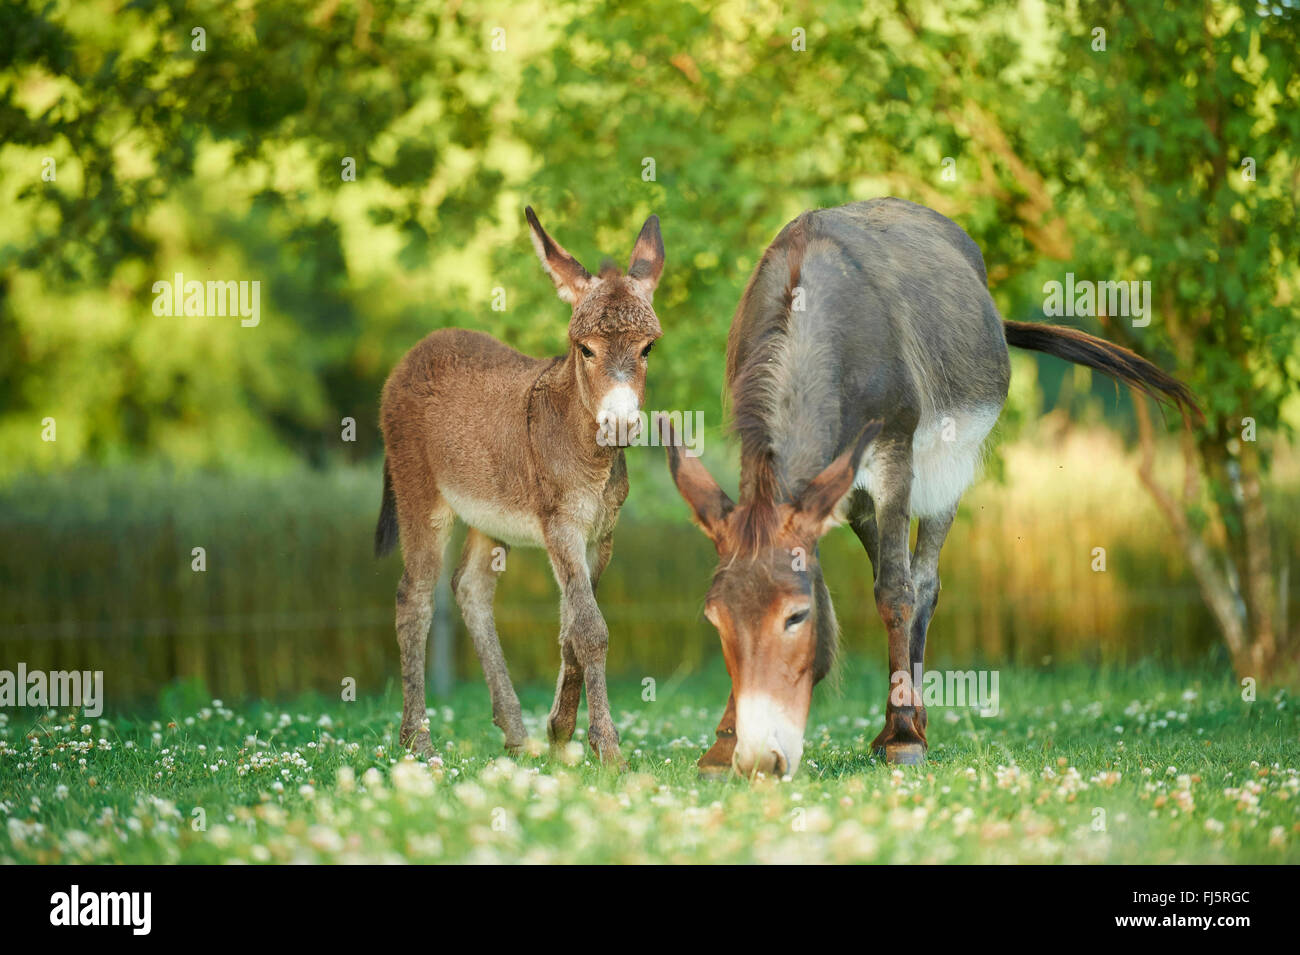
1214,587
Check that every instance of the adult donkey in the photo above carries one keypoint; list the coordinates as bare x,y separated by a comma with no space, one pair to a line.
525,451
866,364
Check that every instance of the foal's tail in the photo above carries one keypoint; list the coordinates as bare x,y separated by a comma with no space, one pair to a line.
386,529
1109,359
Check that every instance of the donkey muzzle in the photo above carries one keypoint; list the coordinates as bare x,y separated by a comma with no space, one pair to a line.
618,419
768,741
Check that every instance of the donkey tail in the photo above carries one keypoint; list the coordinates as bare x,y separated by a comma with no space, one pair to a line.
1110,359
386,529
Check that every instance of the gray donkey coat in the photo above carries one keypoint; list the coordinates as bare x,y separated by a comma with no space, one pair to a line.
866,365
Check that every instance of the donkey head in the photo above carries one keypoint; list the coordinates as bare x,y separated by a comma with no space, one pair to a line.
763,600
613,326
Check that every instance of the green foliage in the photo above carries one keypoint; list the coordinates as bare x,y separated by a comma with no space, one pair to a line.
144,140
1181,160
227,162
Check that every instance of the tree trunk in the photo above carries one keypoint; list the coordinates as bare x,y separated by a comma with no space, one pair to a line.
1243,603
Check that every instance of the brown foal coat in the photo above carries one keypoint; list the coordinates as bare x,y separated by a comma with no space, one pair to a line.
520,449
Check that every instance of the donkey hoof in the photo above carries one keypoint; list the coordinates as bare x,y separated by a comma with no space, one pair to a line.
904,754
558,733
716,763
422,746
612,758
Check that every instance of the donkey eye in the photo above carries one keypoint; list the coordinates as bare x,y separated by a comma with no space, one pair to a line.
795,619
586,352
646,351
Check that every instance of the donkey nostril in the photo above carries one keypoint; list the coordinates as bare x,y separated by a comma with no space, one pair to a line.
769,761
781,764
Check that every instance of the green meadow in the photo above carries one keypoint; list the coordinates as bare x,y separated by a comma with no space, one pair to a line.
1140,764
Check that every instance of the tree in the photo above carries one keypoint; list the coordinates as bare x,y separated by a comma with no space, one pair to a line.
259,143
1177,155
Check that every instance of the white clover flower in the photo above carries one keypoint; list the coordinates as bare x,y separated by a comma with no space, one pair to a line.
572,754
325,839
409,776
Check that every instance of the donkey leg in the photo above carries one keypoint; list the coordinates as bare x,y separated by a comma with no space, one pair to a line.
475,584
598,556
717,761
583,629
903,738
423,541
862,518
931,532
563,718
828,628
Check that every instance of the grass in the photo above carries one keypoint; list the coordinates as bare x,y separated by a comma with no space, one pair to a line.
1142,765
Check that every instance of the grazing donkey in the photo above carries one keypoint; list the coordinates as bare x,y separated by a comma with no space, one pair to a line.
866,364
524,450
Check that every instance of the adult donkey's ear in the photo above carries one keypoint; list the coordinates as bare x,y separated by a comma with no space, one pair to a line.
570,278
647,262
814,511
709,503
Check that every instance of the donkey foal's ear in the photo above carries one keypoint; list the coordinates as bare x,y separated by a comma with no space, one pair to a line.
709,503
647,262
570,278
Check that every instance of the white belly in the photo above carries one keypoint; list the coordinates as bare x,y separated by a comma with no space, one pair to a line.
516,528
946,453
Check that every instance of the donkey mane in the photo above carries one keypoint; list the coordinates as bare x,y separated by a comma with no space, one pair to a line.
758,332
781,379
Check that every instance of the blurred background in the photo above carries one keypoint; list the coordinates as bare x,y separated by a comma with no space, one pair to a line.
368,163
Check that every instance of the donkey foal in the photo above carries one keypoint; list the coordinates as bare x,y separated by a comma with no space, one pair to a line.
524,451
